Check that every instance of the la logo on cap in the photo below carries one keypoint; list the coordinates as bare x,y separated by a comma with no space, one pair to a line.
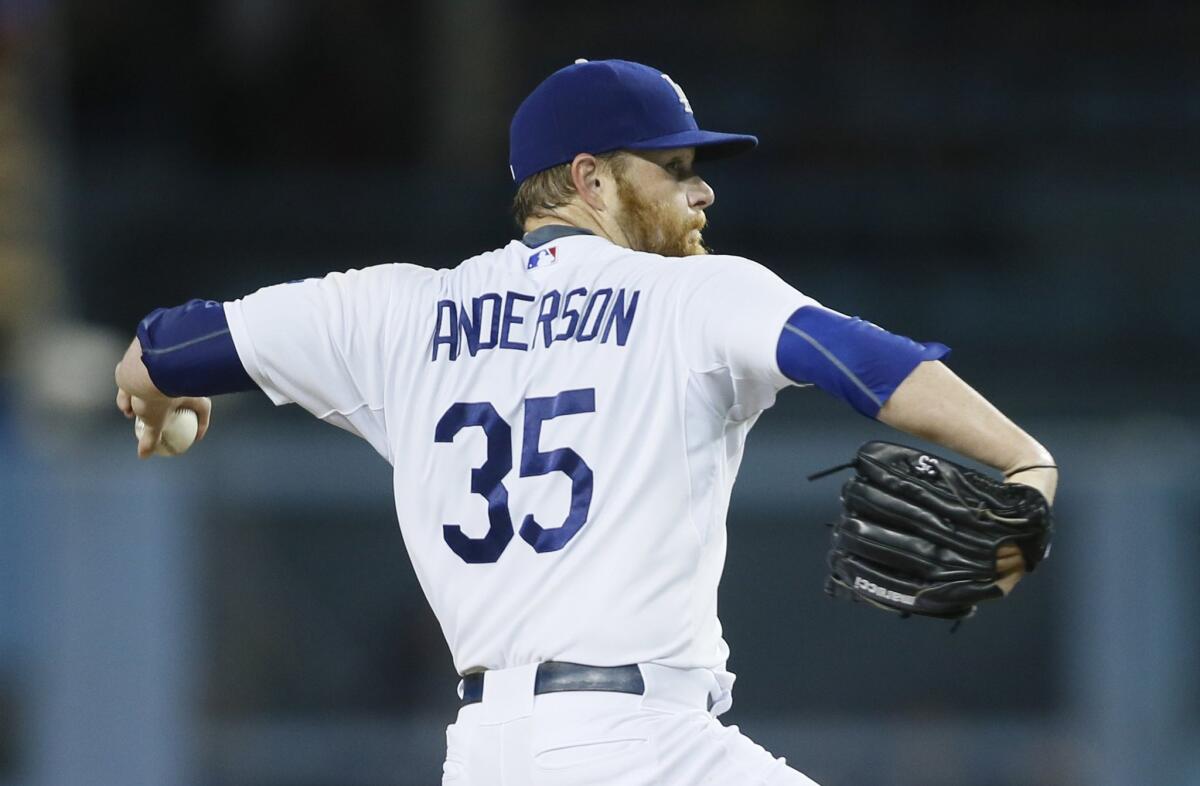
687,105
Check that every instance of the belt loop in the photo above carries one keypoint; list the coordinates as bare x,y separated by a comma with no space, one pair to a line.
675,689
507,694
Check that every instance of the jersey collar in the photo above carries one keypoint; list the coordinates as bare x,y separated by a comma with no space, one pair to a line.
543,235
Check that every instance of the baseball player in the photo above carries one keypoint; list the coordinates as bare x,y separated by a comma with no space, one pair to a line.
565,416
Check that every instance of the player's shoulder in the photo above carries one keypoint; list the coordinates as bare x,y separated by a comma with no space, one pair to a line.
688,274
418,281
390,284
484,263
383,275
709,265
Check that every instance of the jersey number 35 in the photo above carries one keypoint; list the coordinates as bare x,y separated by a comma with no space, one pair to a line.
488,480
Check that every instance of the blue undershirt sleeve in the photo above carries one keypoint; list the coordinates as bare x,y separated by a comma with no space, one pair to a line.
189,352
848,357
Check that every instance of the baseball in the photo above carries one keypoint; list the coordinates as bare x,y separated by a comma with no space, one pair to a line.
178,434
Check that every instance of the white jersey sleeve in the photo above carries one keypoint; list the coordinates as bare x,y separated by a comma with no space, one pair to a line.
323,343
733,311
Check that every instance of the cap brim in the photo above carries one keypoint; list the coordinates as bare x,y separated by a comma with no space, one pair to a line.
709,145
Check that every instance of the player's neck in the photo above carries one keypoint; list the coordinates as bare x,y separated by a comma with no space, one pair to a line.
570,216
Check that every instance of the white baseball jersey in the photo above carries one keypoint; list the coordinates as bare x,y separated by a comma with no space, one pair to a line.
565,425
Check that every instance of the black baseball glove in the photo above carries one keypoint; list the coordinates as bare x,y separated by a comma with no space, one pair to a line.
919,533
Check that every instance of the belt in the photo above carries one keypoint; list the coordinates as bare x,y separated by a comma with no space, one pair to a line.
557,676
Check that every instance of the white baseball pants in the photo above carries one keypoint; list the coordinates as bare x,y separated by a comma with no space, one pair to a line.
665,737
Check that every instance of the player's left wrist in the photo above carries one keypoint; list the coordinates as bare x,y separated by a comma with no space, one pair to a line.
132,376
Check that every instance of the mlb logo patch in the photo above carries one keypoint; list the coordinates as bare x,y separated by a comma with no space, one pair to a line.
544,257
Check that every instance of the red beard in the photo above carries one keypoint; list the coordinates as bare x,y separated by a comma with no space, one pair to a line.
656,228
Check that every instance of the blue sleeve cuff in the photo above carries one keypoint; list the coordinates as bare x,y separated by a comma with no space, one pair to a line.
848,357
189,352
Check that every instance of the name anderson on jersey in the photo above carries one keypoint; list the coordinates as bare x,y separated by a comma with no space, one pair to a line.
511,321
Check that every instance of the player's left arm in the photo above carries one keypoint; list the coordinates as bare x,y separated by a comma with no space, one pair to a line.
178,358
326,344
138,396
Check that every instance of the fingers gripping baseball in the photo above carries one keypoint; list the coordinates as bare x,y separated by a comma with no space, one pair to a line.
165,426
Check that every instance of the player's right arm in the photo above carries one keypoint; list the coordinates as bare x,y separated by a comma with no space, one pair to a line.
759,327
933,403
744,318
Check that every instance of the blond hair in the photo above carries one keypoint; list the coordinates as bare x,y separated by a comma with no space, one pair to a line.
552,188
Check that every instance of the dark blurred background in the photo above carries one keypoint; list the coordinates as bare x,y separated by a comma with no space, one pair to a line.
1018,180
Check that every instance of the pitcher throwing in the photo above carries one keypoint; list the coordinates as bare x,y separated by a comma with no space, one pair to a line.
566,416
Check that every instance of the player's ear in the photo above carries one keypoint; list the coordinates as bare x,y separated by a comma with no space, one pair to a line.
587,178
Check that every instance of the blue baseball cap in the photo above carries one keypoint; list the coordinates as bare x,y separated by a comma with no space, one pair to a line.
605,105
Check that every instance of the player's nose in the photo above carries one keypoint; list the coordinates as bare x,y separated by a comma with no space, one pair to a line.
700,194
